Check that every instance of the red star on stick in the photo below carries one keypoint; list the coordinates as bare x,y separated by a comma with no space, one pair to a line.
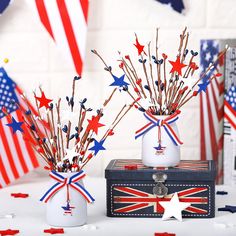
43,101
177,66
139,47
9,232
94,124
54,231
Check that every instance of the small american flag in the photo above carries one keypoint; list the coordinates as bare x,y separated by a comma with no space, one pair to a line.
17,156
66,22
230,106
211,110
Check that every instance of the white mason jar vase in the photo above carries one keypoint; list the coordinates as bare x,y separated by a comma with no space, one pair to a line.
165,154
61,213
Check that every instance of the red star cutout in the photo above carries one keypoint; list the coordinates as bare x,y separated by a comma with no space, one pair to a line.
54,231
164,234
139,47
9,232
177,66
94,124
43,101
20,195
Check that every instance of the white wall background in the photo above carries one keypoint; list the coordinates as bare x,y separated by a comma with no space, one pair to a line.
34,58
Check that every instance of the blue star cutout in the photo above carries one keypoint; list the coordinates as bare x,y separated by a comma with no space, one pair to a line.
232,209
98,146
119,81
203,86
16,126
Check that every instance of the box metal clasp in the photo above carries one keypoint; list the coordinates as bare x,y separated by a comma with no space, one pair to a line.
160,190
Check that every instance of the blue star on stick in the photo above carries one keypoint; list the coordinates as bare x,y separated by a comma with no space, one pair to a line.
98,146
15,126
119,81
203,86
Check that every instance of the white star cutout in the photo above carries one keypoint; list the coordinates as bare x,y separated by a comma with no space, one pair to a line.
70,154
173,208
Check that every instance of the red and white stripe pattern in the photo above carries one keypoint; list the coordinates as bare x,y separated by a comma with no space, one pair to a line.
230,106
192,165
66,22
17,156
212,111
137,200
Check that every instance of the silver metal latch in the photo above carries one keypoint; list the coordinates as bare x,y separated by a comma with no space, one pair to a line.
160,190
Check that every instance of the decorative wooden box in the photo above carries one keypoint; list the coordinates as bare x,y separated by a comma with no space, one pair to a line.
134,190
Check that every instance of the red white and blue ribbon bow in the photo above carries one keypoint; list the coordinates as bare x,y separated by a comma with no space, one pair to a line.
165,123
67,182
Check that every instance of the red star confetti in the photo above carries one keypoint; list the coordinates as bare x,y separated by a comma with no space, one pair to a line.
9,232
164,234
139,47
131,167
177,66
20,195
43,101
94,124
54,231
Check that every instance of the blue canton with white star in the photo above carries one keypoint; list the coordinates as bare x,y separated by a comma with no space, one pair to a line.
209,53
230,96
7,93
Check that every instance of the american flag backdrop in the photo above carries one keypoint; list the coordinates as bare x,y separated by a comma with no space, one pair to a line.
17,156
230,118
230,106
211,109
66,22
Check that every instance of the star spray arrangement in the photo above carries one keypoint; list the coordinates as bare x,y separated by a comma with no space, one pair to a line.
66,140
157,90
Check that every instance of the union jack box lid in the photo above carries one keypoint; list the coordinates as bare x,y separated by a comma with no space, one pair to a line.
187,170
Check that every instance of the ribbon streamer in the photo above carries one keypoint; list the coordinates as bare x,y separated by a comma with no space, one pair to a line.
165,123
68,182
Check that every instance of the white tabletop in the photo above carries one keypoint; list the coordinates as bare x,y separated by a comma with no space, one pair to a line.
30,214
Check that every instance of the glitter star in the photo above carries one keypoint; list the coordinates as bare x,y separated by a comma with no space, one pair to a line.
15,126
119,81
94,124
177,66
98,146
43,101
